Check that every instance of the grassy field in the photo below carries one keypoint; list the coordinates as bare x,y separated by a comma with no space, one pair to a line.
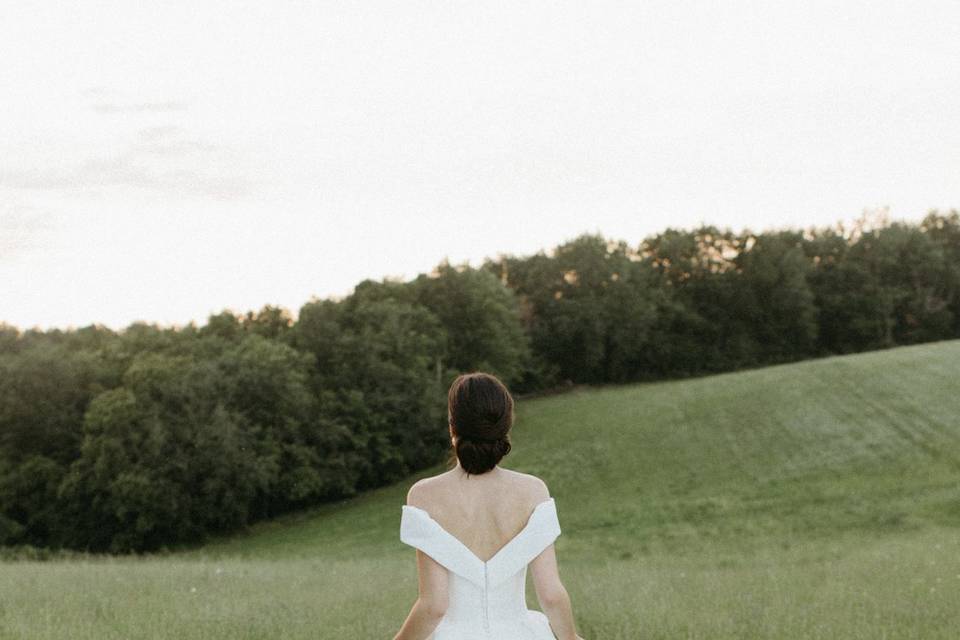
814,500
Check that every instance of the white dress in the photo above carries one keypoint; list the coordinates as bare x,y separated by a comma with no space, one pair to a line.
487,600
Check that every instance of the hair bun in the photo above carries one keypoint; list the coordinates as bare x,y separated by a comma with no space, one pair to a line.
479,456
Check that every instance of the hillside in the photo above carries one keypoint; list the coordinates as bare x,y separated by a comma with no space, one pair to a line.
860,443
818,499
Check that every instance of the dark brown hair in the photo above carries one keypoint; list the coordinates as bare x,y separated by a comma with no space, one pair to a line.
481,414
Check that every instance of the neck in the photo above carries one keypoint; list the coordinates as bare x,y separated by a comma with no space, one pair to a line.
461,471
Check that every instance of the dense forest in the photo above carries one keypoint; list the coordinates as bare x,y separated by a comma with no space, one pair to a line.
157,436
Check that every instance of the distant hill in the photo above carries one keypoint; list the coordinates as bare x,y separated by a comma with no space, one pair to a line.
864,443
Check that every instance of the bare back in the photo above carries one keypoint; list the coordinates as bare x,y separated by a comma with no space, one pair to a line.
483,511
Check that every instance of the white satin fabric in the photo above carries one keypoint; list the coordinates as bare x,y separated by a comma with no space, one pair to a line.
487,600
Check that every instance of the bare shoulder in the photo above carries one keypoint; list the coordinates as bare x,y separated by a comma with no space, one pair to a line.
418,491
421,491
532,486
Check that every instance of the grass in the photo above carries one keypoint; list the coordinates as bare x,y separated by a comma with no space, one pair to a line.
818,499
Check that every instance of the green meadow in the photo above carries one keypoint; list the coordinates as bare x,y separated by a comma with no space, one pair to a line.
818,499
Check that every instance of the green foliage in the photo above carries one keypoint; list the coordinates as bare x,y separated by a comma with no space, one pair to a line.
589,308
705,307
777,304
481,318
377,358
155,436
187,446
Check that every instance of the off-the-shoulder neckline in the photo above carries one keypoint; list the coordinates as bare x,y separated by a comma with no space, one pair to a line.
466,548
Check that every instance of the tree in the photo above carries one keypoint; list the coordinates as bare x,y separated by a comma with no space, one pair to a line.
703,315
481,318
588,307
376,359
778,303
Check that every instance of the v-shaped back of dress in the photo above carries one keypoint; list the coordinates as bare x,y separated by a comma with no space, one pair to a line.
487,599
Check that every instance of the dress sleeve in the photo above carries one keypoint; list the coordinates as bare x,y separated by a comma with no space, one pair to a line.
541,531
418,530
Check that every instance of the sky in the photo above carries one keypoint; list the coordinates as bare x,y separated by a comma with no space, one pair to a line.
164,161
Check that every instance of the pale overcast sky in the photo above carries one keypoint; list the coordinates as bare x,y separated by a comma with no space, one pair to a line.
162,161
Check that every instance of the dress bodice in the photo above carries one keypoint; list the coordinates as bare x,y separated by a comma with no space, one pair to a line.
487,599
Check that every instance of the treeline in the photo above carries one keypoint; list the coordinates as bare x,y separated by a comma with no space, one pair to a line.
708,300
150,437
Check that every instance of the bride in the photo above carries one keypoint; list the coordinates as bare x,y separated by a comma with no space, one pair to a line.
477,527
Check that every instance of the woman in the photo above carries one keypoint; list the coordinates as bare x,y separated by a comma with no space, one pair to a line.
477,527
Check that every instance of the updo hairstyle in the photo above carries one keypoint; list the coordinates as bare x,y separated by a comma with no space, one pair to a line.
481,413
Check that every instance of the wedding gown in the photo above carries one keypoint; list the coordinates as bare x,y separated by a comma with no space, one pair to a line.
487,600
